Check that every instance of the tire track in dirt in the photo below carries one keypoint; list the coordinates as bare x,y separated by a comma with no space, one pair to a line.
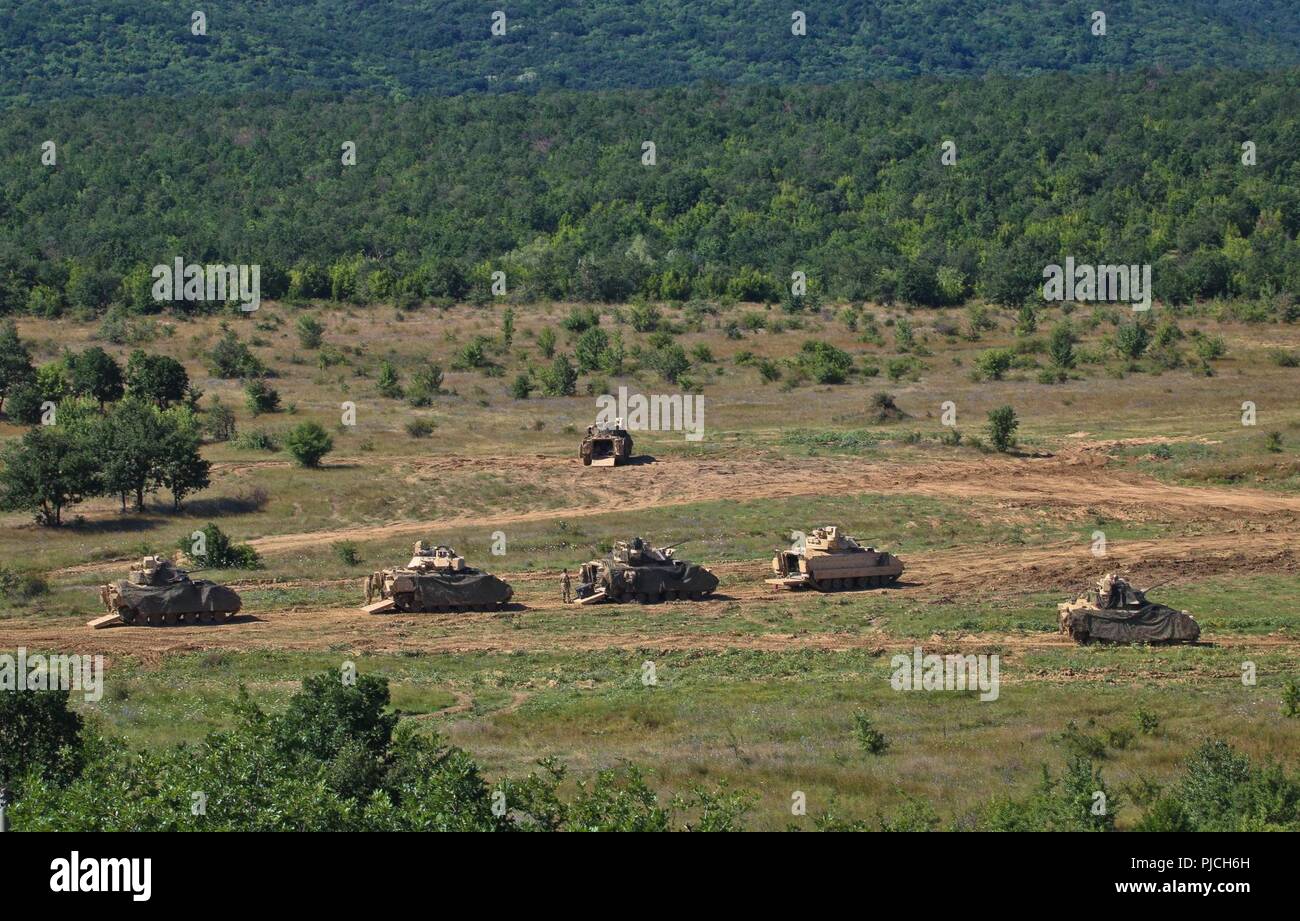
1072,481
970,574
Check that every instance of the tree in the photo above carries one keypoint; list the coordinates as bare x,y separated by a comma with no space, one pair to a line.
310,331
546,342
1132,339
129,445
94,373
219,421
39,736
15,360
45,472
1002,427
230,358
560,379
508,328
160,379
308,442
389,384
1061,346
590,350
261,397
181,468
994,363
825,363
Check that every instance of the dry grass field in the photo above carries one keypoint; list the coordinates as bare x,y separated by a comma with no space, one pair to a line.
756,689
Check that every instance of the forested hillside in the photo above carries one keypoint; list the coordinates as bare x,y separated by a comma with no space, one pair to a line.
844,183
65,48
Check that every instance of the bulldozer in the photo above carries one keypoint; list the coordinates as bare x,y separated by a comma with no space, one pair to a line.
156,593
637,571
833,562
436,579
606,445
1117,612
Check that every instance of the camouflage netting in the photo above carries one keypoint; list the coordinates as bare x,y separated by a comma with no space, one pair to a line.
1150,623
434,590
181,597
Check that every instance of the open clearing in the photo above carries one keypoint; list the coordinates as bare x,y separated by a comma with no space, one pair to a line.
758,689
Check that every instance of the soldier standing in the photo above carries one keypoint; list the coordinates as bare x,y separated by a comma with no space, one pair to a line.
565,587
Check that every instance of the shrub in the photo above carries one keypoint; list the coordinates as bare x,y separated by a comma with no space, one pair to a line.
310,331
308,442
1147,722
389,384
1291,698
994,363
346,551
420,427
261,397
870,739
230,358
560,379
210,548
522,386
258,440
824,363
883,409
1002,427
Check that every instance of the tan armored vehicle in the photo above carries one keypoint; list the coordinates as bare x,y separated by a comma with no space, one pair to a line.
637,571
833,562
1116,612
436,579
606,445
156,593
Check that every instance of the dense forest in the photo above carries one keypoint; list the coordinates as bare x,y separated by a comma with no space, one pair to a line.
845,183
67,48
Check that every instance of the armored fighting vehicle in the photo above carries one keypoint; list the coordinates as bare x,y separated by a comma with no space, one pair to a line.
436,579
1116,612
606,445
637,571
834,562
156,593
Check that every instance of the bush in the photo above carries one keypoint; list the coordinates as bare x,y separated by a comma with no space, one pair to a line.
426,383
256,441
768,370
1002,427
993,364
870,739
420,427
210,548
1291,698
389,384
346,551
883,409
231,359
308,442
310,331
825,363
261,397
560,379
522,386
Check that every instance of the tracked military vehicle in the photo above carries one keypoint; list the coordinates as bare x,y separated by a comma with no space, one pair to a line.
606,445
637,571
833,562
156,594
436,579
1116,612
